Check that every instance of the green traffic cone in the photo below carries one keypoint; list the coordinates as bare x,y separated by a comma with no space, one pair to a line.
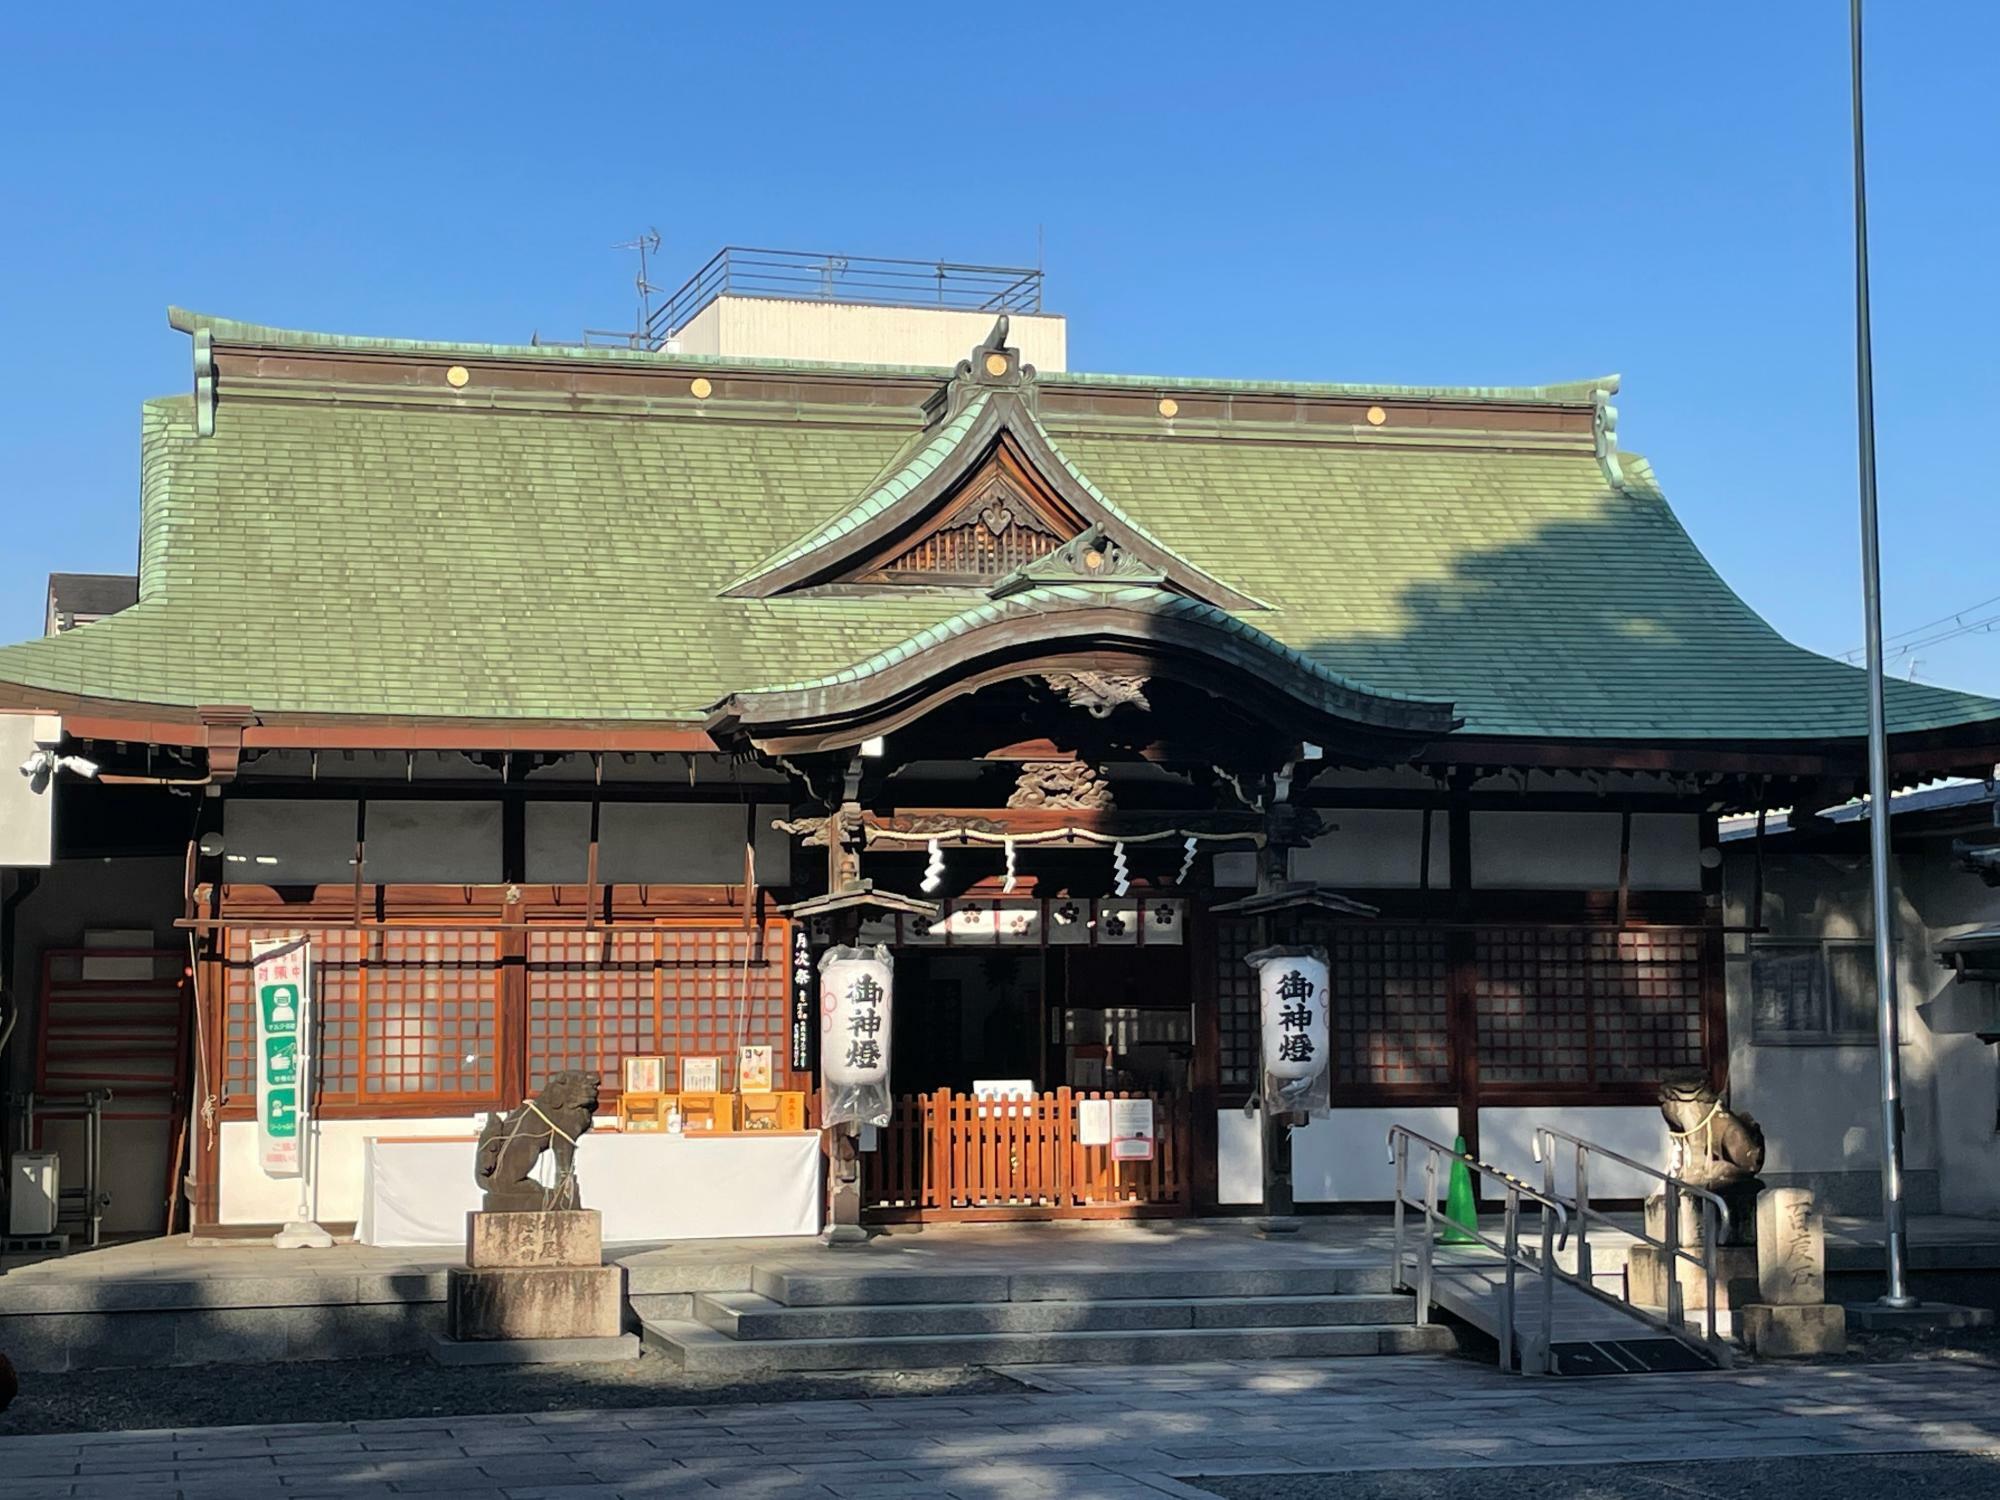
1461,1213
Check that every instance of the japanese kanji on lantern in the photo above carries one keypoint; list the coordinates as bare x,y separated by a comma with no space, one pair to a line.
1293,1005
854,993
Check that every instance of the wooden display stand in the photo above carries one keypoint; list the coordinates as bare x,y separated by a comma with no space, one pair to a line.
774,1111
642,1113
708,1114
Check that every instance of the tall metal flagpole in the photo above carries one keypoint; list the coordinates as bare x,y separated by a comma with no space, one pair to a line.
1878,739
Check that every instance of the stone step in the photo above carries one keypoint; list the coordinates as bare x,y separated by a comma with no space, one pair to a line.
861,1287
697,1347
746,1315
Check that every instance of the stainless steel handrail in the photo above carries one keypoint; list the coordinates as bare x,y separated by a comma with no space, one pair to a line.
1715,1228
1553,1217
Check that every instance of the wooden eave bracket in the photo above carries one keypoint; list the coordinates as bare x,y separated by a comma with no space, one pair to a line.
222,733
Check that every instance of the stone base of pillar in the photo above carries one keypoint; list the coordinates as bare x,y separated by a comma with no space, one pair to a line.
1794,1331
1646,1271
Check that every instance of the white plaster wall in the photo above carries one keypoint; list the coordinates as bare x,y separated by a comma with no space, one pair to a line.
1235,870
1666,852
27,817
434,842
1239,1157
1378,847
655,843
1818,1103
1507,1141
284,841
858,333
1343,1156
1549,851
249,1197
1948,1015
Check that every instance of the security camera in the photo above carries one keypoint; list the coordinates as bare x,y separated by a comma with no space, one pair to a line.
40,767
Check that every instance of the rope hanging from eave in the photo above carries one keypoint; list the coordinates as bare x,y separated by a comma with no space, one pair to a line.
967,835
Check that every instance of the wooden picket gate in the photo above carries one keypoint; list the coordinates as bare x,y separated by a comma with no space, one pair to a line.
947,1155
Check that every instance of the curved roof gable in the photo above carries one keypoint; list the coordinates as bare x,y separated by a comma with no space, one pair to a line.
944,510
1038,622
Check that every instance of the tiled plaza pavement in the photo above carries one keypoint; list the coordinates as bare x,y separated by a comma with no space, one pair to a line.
1081,1432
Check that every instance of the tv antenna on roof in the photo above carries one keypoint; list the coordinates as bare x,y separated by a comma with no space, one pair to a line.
646,244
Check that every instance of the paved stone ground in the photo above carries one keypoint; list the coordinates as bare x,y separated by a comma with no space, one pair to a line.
1901,1476
363,1390
1080,1432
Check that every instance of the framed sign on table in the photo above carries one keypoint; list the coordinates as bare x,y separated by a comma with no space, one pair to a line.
701,1075
645,1075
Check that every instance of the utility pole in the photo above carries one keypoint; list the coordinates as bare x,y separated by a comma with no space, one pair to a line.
1886,1000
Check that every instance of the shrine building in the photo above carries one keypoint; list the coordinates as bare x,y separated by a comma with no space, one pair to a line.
572,701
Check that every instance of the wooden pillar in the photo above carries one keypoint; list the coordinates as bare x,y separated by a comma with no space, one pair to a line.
843,1142
1281,833
1463,977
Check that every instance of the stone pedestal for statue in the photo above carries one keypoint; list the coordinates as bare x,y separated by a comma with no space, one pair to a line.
534,1288
1646,1266
1791,1316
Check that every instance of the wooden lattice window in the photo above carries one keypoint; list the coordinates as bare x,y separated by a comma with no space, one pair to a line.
1391,1005
1235,1006
1531,1000
593,1000
430,1009
1646,987
1572,1006
405,1014
596,998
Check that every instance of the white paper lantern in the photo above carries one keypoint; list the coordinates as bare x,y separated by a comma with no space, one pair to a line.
1293,1002
1293,995
856,988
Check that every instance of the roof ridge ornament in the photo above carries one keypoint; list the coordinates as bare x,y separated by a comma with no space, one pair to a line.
1604,433
204,383
1091,556
994,364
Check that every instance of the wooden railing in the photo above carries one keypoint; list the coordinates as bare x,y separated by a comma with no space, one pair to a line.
948,1155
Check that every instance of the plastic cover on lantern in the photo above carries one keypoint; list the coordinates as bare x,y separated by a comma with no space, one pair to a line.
856,986
1295,1026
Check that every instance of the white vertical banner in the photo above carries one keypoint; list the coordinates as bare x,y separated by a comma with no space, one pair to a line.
1292,1013
855,992
281,981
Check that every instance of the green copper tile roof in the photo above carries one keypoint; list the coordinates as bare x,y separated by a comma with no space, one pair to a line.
929,455
385,559
1049,596
906,476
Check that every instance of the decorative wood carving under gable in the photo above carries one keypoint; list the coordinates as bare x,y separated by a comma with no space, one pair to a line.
1002,518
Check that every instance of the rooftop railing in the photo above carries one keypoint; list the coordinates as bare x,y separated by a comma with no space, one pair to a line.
808,276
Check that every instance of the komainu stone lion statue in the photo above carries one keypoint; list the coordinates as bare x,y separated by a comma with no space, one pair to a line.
1714,1146
509,1147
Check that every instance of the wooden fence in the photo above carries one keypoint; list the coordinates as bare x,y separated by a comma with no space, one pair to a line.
948,1155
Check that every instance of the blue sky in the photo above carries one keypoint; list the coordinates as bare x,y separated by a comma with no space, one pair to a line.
1450,193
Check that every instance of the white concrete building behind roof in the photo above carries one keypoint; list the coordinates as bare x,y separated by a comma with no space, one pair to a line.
810,308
